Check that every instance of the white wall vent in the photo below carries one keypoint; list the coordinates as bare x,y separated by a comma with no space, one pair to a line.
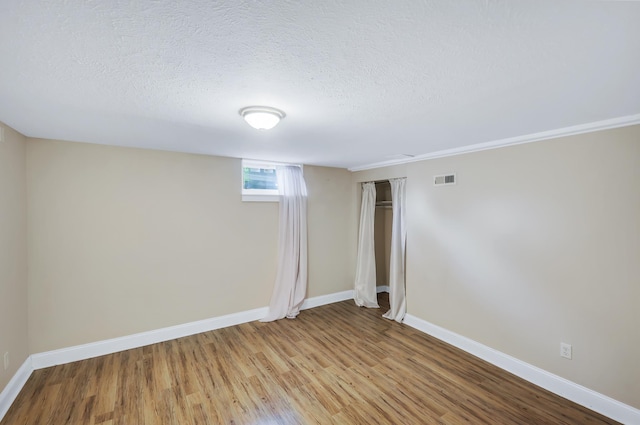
444,179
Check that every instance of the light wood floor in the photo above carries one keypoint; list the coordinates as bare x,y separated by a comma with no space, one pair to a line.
335,364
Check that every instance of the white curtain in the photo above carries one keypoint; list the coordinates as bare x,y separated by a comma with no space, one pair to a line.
365,285
397,296
290,287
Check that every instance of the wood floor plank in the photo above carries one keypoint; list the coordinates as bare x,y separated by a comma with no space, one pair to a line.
336,364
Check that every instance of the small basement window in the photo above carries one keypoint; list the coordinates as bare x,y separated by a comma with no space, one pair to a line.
259,181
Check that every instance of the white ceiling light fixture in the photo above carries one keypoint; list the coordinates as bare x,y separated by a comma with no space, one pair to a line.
262,117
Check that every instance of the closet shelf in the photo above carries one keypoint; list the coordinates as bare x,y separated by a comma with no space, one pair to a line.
383,204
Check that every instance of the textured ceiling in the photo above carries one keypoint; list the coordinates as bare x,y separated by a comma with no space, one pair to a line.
360,81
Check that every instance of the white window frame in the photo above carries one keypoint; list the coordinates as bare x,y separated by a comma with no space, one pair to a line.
259,195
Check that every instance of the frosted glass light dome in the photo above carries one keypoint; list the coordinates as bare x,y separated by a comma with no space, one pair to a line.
262,117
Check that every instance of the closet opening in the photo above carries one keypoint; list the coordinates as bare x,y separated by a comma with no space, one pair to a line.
380,263
382,234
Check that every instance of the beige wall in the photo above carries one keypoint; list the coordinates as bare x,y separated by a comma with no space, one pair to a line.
129,240
536,244
330,236
13,253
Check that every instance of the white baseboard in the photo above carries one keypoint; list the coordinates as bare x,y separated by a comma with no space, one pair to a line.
570,390
327,299
108,346
336,297
11,391
100,348
574,392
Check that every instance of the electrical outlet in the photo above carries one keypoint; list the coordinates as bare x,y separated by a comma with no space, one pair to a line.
565,350
6,360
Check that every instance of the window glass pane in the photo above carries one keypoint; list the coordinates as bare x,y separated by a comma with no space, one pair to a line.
259,178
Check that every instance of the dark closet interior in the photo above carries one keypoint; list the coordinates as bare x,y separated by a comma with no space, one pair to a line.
382,232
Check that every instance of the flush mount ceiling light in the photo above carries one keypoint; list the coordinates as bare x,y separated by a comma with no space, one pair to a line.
262,117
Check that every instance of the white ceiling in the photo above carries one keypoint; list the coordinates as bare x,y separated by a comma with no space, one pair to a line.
361,81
